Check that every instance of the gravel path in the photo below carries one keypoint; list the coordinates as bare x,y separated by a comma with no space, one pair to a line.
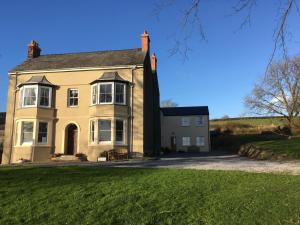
201,161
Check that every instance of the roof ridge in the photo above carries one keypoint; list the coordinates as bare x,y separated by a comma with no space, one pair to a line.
74,53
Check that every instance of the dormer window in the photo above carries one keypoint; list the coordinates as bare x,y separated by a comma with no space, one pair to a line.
109,89
36,92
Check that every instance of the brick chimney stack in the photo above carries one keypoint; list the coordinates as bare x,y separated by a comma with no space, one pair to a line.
145,41
153,62
33,50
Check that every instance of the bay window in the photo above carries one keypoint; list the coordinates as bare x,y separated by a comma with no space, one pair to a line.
35,95
107,131
108,93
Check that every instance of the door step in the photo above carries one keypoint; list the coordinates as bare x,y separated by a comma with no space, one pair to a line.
68,158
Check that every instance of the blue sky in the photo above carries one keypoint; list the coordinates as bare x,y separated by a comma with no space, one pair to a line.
219,72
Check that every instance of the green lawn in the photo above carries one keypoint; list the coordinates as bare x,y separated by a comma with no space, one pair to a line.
289,147
74,195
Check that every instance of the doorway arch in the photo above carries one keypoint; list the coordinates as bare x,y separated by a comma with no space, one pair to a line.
71,134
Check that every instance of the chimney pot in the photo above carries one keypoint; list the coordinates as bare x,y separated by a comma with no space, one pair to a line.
34,50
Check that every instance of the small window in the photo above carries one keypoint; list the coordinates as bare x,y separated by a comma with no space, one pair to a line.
43,133
92,131
94,94
104,127
105,94
44,96
199,121
185,121
29,96
119,131
120,93
27,133
200,141
186,141
73,97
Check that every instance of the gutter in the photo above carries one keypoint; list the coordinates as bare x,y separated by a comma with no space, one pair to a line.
131,109
76,69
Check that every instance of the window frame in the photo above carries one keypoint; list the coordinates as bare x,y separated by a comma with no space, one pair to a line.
92,135
69,97
112,93
38,132
37,93
123,132
183,142
113,85
22,142
124,93
99,131
198,119
182,121
199,144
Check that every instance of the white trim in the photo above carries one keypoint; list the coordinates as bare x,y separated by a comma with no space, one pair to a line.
75,69
182,142
112,93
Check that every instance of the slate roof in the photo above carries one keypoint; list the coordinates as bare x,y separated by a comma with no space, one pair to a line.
83,59
185,111
110,76
37,80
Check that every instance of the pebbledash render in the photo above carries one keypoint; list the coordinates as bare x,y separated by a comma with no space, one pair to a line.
83,103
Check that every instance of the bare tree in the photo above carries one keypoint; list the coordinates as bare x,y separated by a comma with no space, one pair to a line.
191,22
278,92
168,103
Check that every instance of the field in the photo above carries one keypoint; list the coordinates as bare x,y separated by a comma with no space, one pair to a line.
95,195
230,134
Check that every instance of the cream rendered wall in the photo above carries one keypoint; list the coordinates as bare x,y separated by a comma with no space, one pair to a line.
62,115
172,124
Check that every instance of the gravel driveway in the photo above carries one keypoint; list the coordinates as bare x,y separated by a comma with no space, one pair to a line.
201,161
213,161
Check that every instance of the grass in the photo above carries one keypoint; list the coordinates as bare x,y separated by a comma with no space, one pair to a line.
291,148
90,195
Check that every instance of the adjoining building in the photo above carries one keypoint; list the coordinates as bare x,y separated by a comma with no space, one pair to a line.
85,103
185,129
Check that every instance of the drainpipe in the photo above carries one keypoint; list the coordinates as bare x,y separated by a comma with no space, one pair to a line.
13,118
131,110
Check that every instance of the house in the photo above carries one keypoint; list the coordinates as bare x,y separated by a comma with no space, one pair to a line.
185,128
86,103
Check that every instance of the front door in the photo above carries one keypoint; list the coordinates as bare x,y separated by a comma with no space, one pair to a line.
173,143
72,134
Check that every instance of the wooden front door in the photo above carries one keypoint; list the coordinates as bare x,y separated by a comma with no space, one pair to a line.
72,136
173,143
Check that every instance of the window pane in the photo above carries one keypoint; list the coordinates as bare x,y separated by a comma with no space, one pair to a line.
199,121
27,132
200,141
92,131
185,121
105,93
94,94
44,96
73,97
104,130
119,130
186,141
120,98
29,96
43,130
